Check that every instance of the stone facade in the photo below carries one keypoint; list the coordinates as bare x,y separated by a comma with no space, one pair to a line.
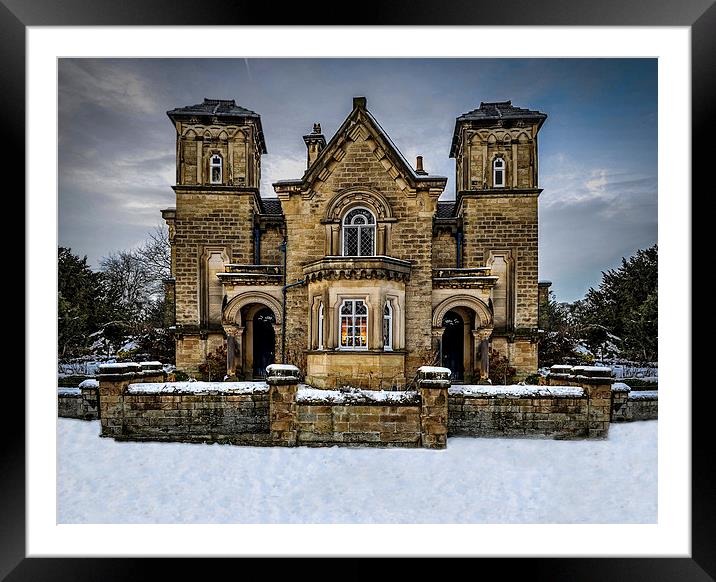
380,275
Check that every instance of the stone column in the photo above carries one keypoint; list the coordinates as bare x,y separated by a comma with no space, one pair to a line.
597,384
233,349
433,384
113,381
437,344
482,343
283,385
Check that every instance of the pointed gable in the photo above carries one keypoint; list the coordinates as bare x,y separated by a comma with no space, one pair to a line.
361,126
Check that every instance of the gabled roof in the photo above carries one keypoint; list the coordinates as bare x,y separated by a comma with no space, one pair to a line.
494,111
225,109
361,115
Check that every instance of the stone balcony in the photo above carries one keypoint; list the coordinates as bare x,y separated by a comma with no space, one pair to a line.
464,278
251,275
340,267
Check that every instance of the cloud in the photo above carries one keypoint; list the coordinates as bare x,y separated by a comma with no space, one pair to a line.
106,84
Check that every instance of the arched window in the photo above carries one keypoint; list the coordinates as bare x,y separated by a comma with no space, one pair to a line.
354,324
498,173
320,326
215,169
359,233
388,327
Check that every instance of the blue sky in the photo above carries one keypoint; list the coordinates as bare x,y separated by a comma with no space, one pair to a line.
598,147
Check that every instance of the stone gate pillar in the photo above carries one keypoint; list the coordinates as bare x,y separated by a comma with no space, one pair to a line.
113,380
283,411
433,384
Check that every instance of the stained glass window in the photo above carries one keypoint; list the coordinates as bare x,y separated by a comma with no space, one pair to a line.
354,324
359,233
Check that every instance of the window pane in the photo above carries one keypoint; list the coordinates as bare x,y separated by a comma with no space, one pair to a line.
350,241
347,308
366,241
215,174
498,177
361,308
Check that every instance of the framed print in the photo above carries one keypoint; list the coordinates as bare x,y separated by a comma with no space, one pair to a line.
363,314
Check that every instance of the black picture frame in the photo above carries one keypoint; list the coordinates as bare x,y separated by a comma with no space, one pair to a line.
699,15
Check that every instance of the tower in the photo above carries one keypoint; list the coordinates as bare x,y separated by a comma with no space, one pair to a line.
495,151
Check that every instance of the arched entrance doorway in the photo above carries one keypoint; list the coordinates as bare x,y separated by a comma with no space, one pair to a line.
453,345
264,341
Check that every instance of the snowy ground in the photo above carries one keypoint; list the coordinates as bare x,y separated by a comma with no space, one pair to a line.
473,481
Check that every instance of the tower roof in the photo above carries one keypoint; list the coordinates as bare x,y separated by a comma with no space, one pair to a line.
496,111
224,109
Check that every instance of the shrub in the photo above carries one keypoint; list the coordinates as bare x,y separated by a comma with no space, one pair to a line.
500,370
214,369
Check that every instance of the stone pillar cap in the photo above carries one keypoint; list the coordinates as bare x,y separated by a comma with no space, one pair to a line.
120,368
592,371
282,371
151,365
434,373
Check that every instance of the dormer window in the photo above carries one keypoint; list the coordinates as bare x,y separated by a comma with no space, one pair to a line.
215,173
498,173
359,233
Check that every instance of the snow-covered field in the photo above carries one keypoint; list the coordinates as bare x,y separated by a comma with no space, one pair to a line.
476,480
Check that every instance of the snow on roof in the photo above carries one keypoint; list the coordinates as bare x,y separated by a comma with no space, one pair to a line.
89,383
620,387
517,391
119,366
154,363
355,396
644,395
198,387
73,392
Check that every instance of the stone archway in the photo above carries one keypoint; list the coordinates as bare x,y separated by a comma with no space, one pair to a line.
462,326
252,321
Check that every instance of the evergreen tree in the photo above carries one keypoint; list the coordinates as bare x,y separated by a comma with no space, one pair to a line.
623,309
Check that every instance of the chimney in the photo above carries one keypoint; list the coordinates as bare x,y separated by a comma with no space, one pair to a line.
315,142
419,167
359,102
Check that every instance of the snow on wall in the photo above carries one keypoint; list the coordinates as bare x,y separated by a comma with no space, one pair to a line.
69,392
89,383
517,391
306,394
620,387
198,388
644,395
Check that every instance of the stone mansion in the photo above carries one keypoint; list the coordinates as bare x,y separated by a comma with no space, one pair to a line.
356,272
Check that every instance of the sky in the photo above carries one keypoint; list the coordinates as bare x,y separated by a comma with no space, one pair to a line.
597,149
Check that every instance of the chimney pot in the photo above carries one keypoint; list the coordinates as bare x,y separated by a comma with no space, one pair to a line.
419,166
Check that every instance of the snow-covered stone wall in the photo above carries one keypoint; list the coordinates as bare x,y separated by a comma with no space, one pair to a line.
232,412
638,405
80,402
518,411
358,417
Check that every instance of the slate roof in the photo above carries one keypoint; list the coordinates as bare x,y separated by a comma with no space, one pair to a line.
221,108
500,110
218,107
271,206
445,209
494,111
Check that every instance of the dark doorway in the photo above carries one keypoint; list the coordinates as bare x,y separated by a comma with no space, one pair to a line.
453,346
264,342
